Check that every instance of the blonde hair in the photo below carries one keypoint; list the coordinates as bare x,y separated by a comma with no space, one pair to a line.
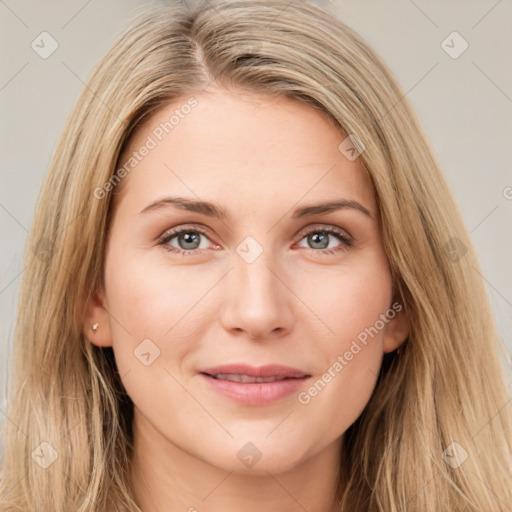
447,384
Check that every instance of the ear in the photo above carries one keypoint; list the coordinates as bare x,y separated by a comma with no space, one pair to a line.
397,328
96,313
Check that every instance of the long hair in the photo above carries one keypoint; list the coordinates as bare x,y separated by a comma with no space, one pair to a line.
68,438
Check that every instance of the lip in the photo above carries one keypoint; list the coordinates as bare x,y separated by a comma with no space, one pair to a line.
255,393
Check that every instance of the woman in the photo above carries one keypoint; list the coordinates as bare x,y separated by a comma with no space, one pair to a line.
248,287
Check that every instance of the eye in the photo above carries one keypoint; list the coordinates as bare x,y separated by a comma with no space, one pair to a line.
188,240
318,237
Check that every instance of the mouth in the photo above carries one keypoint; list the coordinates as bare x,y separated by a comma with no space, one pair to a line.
250,385
245,378
273,371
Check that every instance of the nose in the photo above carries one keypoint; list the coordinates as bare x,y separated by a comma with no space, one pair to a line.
258,300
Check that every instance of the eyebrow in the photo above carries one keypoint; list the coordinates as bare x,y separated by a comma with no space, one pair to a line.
212,210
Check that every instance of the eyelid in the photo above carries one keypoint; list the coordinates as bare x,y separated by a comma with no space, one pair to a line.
184,227
206,231
321,227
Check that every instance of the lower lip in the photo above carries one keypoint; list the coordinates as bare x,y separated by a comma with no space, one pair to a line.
255,393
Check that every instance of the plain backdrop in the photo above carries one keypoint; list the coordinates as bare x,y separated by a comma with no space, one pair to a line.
463,101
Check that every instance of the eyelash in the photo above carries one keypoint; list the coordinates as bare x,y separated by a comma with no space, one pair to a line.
346,240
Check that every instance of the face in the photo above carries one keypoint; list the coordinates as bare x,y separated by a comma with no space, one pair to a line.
297,299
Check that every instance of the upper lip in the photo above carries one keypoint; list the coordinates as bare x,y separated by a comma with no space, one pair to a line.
270,370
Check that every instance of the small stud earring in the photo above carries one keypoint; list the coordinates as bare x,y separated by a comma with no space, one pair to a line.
94,327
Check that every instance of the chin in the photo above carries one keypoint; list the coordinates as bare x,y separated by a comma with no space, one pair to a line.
260,458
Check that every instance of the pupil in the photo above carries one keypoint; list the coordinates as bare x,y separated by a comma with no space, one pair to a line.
188,238
322,239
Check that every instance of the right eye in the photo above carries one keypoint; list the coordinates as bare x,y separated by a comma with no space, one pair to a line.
188,240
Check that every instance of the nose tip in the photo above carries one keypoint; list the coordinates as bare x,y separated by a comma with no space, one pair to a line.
257,303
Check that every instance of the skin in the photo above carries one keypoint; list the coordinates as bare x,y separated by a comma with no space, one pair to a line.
259,157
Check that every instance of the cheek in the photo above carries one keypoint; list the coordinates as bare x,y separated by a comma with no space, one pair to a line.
350,297
350,303
146,292
149,298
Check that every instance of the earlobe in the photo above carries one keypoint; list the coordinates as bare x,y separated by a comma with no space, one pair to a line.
397,331
96,325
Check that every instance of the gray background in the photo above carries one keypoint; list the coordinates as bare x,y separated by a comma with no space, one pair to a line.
465,105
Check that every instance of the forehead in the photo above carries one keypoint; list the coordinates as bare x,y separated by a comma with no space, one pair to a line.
240,146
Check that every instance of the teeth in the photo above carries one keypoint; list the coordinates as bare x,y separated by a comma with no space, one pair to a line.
245,378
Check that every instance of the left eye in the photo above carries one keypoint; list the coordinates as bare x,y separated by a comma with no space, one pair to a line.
189,240
319,238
